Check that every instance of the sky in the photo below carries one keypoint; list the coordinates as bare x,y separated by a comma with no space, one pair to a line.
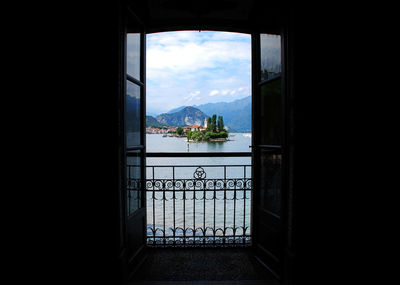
189,68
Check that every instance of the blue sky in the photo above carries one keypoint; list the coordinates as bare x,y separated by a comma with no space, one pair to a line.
194,68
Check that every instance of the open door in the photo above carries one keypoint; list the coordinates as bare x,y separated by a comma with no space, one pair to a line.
134,140
268,136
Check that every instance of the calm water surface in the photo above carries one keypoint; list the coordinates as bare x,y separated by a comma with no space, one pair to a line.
237,142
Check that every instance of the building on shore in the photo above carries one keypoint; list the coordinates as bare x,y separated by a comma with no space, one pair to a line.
194,128
163,130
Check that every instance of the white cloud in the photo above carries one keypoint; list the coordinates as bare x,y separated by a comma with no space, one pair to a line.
214,92
188,52
191,96
182,65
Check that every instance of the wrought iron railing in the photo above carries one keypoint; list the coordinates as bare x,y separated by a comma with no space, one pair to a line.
204,211
197,205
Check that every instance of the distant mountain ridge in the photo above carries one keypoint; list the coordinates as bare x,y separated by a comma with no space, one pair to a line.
186,116
237,114
152,122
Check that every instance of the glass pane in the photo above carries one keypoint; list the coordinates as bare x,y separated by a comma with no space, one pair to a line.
133,184
270,46
270,181
132,114
133,55
271,113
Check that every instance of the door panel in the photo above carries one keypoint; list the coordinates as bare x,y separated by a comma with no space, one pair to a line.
133,187
270,56
134,141
268,205
133,47
268,156
270,173
270,113
133,115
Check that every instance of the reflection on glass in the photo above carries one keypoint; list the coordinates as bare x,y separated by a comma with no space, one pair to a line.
270,46
132,113
271,113
270,181
133,181
133,55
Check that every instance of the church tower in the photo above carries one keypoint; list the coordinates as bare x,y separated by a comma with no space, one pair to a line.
205,122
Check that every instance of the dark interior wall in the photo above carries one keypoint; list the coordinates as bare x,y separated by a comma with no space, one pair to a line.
79,145
224,15
324,161
67,112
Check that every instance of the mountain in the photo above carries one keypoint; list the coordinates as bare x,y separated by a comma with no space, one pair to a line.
185,117
152,122
237,114
176,109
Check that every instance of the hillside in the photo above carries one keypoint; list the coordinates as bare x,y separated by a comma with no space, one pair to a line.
237,114
185,117
177,109
152,122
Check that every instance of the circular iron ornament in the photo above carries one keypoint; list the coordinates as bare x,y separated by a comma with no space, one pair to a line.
199,173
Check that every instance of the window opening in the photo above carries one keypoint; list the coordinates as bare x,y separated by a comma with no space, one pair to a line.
198,133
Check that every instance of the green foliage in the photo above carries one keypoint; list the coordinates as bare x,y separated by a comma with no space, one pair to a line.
214,130
189,134
220,123
223,134
197,136
206,135
209,124
214,123
179,131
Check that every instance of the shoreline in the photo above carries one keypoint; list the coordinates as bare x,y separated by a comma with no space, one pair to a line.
211,140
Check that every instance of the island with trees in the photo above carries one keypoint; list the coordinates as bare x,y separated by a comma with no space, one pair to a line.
191,123
214,131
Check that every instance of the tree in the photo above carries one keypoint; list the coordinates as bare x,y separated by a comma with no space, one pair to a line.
209,124
189,134
223,134
220,123
197,136
214,123
179,131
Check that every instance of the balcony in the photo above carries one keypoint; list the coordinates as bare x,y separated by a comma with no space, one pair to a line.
193,204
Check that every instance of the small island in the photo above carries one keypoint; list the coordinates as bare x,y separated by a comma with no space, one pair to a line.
213,131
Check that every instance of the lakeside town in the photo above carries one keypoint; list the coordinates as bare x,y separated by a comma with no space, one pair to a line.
212,130
172,130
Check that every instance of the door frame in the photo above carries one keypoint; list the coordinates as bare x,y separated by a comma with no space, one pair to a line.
287,145
129,263
286,191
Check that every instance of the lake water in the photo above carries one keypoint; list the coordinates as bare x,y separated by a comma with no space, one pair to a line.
199,210
239,142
